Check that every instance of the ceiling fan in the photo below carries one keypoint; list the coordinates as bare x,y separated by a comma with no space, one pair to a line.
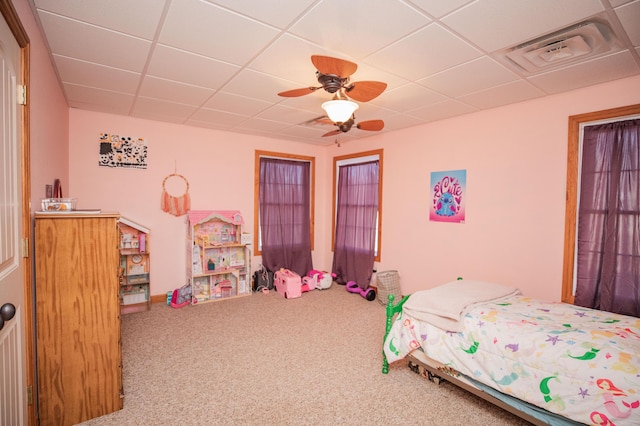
372,125
334,74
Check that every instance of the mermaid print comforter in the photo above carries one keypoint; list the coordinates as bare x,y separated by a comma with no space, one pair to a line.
580,363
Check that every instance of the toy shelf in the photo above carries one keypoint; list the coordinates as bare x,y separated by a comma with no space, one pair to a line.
134,267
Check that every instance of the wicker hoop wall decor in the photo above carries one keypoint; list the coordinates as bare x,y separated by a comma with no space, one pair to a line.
175,205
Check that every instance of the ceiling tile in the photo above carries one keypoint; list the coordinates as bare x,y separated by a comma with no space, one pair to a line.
600,70
495,24
441,111
220,64
140,20
304,132
257,85
360,27
629,16
159,108
214,32
173,118
236,104
296,54
218,117
204,124
98,100
93,75
179,65
289,57
369,111
468,78
409,97
168,90
426,52
263,125
516,91
311,102
439,8
287,115
87,37
616,3
400,121
281,16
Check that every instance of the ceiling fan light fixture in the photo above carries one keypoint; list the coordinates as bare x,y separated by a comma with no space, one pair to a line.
339,110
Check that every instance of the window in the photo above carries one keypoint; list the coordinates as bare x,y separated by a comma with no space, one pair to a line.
573,190
296,204
363,157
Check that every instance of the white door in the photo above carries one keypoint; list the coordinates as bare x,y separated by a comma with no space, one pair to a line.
13,377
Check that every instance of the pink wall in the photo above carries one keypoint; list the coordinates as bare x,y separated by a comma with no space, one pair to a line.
218,165
515,159
49,114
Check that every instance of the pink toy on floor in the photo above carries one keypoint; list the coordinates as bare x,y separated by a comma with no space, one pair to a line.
317,279
181,297
288,283
367,293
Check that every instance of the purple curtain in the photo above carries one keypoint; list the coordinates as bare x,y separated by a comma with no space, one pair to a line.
355,239
285,222
608,246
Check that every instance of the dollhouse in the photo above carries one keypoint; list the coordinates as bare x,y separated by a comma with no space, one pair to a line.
218,260
134,266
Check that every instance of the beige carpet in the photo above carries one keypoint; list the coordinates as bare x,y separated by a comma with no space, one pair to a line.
265,360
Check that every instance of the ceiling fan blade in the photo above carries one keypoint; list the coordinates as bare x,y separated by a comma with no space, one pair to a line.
324,120
333,66
374,125
364,91
298,92
331,133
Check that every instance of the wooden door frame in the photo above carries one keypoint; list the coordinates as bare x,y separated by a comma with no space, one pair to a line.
13,21
572,188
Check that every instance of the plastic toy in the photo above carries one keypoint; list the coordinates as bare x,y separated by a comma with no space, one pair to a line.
181,296
317,279
368,293
288,283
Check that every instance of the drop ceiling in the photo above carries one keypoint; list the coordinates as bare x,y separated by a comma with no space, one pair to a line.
220,63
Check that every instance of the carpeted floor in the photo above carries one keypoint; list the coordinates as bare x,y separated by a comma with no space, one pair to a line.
265,360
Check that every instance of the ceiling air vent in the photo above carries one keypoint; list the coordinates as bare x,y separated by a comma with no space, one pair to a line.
570,45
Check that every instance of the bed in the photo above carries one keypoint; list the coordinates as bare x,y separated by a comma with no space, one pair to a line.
550,363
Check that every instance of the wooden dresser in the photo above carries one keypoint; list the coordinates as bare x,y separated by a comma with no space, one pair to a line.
77,317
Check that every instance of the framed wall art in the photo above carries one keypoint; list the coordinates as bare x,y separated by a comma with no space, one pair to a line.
122,151
448,196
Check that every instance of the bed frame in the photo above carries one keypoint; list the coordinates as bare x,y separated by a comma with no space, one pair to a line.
438,373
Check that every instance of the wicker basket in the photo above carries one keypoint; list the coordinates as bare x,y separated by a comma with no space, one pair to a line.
388,282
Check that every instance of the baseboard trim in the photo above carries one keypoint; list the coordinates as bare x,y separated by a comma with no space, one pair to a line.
159,298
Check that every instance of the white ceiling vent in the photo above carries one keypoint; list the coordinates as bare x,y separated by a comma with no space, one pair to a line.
573,44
